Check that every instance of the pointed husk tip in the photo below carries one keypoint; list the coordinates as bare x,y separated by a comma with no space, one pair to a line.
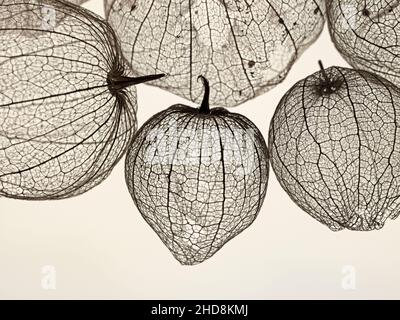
121,82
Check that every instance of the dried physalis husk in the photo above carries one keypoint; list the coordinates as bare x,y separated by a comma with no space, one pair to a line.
367,34
243,48
198,177
66,112
334,143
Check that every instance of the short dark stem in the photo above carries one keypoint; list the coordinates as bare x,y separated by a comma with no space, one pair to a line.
205,105
120,82
324,74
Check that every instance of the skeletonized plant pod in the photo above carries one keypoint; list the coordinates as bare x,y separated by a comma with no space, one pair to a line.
198,177
367,34
334,142
67,108
244,48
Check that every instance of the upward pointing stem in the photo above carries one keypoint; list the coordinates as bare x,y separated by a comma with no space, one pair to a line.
324,74
205,105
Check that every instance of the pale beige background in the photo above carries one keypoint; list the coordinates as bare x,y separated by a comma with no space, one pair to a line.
101,247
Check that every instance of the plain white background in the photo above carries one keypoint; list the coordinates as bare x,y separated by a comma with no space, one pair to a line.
100,247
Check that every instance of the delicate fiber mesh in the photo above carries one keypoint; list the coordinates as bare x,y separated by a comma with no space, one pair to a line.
198,180
335,148
62,129
243,48
367,34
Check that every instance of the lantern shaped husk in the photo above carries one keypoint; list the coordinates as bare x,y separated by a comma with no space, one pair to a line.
243,48
334,143
198,179
367,34
64,122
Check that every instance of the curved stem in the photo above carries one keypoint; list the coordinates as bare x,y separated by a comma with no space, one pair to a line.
205,105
